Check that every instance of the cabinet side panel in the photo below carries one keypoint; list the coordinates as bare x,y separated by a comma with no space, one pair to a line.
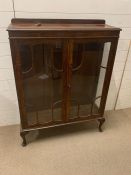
19,87
108,74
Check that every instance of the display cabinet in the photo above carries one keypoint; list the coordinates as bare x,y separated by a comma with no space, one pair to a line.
62,70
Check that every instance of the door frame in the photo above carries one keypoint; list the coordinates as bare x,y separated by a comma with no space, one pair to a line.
67,63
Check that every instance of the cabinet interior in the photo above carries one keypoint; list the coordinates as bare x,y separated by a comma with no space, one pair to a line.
45,78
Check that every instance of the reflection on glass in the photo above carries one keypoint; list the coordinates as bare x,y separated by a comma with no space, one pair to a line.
42,79
102,73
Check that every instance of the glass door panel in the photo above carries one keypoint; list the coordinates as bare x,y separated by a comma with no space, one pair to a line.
88,72
42,70
102,72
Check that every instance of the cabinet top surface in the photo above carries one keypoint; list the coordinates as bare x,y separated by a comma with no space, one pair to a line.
18,24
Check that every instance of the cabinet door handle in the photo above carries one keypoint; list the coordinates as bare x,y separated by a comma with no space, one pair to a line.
69,86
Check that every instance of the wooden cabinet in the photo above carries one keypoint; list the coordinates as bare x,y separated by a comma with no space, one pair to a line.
62,70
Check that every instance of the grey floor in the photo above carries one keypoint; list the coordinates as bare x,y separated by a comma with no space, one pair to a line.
70,150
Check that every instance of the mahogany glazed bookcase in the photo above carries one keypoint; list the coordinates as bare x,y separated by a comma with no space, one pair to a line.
62,70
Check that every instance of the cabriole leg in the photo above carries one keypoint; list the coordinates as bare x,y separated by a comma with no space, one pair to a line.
101,121
23,134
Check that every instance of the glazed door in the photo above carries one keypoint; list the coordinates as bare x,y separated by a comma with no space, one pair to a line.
62,80
42,70
87,69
